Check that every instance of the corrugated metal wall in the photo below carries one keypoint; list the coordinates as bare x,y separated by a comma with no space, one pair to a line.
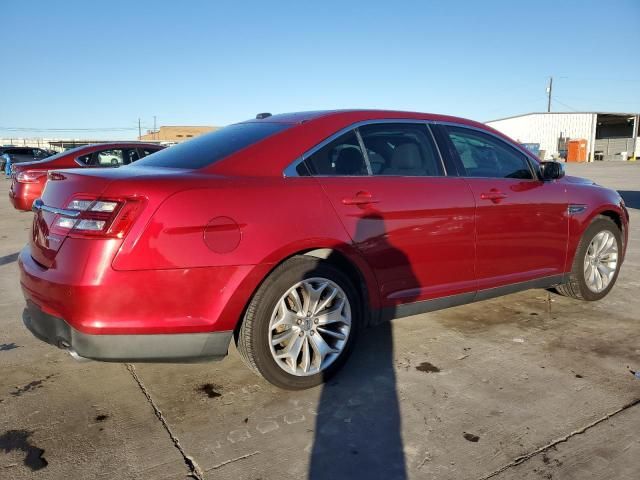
546,128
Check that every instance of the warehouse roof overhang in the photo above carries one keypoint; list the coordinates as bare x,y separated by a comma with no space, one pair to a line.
616,114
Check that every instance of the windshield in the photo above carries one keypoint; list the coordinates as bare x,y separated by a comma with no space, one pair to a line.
212,147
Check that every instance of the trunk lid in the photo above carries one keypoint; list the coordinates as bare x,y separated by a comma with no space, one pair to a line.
91,183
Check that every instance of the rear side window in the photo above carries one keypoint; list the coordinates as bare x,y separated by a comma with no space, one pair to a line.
110,158
401,149
483,155
212,147
341,157
144,152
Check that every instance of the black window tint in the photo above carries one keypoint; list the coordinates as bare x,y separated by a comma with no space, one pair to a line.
146,151
130,156
89,159
483,155
341,157
402,149
207,149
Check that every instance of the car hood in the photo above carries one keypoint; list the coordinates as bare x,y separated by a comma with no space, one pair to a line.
579,180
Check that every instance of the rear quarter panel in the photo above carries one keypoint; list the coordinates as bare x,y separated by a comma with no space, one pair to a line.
275,218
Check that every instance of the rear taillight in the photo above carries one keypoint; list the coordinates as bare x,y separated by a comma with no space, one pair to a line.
30,176
98,217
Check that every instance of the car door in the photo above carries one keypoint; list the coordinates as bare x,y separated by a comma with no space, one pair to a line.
412,223
521,221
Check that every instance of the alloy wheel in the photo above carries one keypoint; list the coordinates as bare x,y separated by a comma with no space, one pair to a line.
310,326
601,261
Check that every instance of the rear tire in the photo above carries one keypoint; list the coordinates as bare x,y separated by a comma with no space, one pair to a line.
287,306
591,258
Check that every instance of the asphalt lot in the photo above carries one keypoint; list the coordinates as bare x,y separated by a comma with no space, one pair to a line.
528,386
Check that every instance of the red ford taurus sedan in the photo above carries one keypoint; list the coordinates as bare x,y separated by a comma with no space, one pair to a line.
287,234
29,178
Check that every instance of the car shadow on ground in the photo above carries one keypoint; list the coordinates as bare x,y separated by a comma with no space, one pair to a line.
631,198
358,424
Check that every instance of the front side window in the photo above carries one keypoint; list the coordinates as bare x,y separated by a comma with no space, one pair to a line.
341,157
401,149
483,155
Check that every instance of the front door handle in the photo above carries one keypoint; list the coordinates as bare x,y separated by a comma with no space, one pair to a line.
494,195
361,198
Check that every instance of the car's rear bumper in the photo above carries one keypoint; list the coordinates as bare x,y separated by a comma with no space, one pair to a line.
179,347
93,298
22,195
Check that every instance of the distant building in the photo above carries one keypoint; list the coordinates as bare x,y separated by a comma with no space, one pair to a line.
175,133
607,136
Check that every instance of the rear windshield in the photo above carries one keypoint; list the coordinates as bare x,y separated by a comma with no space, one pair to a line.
214,146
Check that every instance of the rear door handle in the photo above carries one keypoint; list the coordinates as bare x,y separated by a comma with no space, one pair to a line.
361,198
494,195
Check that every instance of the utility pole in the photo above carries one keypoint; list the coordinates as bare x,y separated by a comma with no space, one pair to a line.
139,130
155,132
549,90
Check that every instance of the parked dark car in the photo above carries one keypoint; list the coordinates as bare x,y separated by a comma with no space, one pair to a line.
29,178
22,154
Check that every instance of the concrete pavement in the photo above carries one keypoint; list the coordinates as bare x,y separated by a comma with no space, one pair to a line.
528,386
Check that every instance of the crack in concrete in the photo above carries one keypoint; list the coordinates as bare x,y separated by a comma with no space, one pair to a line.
215,467
566,438
194,469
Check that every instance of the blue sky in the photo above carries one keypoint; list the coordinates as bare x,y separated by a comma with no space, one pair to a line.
103,64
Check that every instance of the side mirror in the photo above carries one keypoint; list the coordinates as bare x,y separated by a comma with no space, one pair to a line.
551,170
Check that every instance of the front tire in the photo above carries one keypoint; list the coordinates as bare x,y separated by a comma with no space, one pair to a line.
596,263
301,324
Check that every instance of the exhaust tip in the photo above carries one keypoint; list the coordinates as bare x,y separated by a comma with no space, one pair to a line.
65,346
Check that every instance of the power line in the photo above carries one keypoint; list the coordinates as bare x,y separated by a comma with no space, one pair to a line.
83,129
565,105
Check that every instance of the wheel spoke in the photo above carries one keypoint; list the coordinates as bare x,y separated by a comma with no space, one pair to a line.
592,275
321,347
291,352
294,296
333,315
606,274
599,282
312,297
332,333
284,336
306,356
285,317
328,299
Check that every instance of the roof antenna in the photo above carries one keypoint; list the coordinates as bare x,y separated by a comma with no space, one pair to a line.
260,116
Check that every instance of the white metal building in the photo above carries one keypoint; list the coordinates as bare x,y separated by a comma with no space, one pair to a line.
609,136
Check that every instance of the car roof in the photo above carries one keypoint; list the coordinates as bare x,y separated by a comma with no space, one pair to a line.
355,115
123,143
309,129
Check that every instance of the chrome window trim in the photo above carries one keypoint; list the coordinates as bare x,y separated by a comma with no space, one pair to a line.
290,170
364,152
